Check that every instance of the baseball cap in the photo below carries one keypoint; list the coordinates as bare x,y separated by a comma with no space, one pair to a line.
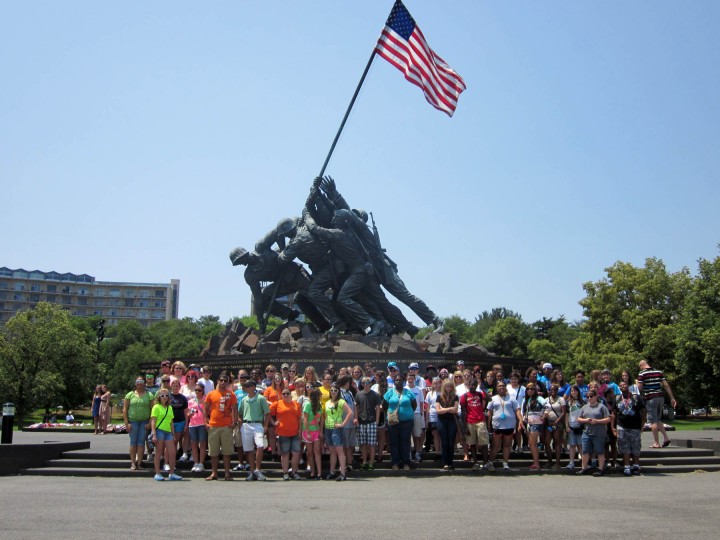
460,362
606,370
414,365
392,365
285,366
547,365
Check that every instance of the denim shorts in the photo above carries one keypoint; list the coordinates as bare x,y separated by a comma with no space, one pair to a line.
198,434
289,444
179,426
334,437
593,444
137,433
163,435
574,439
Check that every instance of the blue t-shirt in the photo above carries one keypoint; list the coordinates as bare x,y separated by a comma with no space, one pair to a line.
583,391
240,394
405,411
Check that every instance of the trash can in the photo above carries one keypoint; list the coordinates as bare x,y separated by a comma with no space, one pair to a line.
8,419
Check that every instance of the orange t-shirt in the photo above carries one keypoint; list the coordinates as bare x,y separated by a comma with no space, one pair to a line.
220,408
271,395
288,417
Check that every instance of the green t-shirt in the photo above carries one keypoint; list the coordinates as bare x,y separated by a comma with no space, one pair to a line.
139,407
313,419
334,413
164,416
255,409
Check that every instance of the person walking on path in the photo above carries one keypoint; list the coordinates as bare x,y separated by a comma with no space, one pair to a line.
652,386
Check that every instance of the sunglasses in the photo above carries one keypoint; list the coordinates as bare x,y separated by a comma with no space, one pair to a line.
286,393
178,367
199,390
269,371
164,395
334,390
222,380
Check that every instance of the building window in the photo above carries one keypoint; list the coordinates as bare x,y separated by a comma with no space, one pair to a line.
19,286
129,302
158,314
115,292
18,296
98,312
129,293
4,285
66,300
82,302
99,302
160,303
143,303
51,288
51,298
99,292
159,293
34,297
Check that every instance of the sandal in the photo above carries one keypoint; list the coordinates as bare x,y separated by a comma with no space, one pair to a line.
133,467
211,477
140,466
655,445
229,478
666,443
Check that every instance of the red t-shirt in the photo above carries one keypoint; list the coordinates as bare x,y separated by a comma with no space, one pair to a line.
220,408
473,404
288,417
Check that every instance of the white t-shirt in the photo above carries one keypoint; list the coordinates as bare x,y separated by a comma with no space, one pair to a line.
419,398
208,384
430,400
460,389
503,412
517,394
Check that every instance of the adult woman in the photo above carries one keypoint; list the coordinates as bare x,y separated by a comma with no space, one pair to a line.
188,389
179,405
532,377
96,408
357,375
197,429
446,406
272,394
105,408
594,416
558,378
380,388
504,416
161,427
532,412
333,424
310,376
136,413
286,422
555,411
574,427
400,406
627,379
311,421
516,391
432,415
178,372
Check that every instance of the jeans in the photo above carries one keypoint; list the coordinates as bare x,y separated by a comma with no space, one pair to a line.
400,442
448,432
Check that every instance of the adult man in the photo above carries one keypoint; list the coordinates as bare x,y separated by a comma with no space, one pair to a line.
546,375
652,385
580,383
414,369
240,393
265,267
473,404
607,382
627,425
165,368
367,405
255,416
206,380
418,431
221,416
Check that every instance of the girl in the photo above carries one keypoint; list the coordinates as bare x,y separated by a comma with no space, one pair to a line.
333,424
197,430
311,434
446,407
161,427
532,412
573,426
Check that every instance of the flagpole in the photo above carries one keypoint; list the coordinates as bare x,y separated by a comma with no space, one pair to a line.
347,113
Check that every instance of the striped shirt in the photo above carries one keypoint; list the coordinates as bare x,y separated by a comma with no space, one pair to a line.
651,380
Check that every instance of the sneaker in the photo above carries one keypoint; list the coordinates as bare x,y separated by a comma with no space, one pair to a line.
296,476
476,467
246,467
194,469
286,477
418,457
593,464
159,477
489,466
583,472
570,465
200,467
330,476
174,476
406,467
599,473
340,478
627,471
238,468
259,475
370,467
183,458
250,478
395,468
636,470
166,467
506,467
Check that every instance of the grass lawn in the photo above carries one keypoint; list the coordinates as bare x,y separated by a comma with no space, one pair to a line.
696,423
82,416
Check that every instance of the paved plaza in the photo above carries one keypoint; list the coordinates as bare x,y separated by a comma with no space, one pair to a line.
658,506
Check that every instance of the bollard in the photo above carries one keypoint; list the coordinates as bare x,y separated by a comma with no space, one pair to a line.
8,419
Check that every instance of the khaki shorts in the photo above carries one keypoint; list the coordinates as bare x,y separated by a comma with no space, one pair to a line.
477,434
220,437
237,437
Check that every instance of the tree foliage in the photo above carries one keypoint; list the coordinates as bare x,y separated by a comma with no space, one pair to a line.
44,359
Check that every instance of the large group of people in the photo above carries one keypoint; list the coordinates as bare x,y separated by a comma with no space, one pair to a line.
297,418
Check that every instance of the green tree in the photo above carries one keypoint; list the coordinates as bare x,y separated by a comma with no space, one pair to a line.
127,365
630,315
485,321
460,328
45,360
697,359
508,337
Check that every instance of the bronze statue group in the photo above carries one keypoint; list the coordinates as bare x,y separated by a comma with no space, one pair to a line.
340,288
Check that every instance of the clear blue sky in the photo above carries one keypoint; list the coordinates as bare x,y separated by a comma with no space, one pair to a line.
142,141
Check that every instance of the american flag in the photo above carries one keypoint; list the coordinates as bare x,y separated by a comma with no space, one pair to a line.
403,45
